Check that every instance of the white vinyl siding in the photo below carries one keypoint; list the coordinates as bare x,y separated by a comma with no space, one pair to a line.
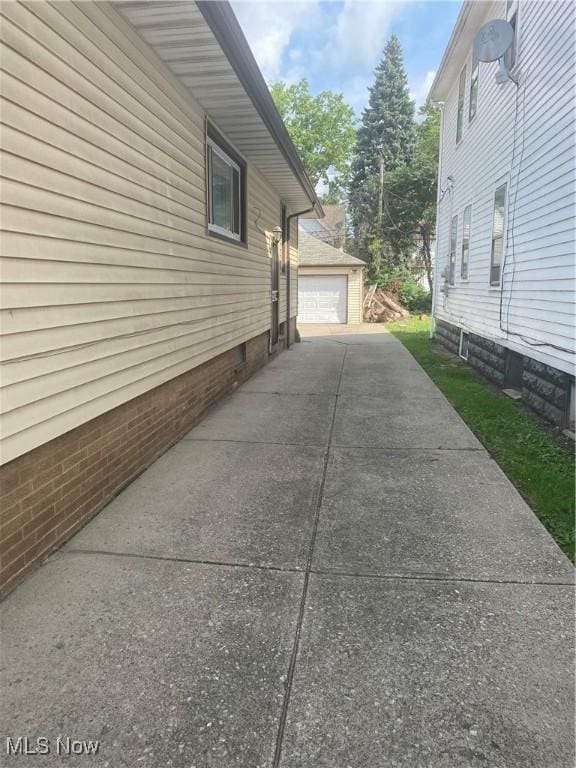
111,284
524,139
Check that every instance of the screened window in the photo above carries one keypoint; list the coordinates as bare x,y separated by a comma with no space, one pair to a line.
453,238
473,99
461,95
465,242
511,55
498,235
225,191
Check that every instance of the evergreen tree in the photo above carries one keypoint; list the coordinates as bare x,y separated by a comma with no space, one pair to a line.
385,141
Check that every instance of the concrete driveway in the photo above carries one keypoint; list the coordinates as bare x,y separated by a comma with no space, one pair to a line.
328,572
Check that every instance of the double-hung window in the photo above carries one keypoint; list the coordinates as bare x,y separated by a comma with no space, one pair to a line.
461,98
511,56
466,219
452,258
498,223
473,97
226,189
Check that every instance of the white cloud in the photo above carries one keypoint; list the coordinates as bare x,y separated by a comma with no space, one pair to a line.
268,27
359,34
355,92
348,41
419,91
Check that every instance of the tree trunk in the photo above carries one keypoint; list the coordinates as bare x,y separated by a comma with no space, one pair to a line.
381,191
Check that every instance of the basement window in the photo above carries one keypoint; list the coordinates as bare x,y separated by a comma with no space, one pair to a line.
513,371
240,356
226,189
464,345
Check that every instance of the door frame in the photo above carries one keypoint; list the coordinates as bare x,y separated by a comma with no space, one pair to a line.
274,297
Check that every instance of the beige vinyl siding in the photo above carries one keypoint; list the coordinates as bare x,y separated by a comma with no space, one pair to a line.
111,284
294,257
355,296
525,139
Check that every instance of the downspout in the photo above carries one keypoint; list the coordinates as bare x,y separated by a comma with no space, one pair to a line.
288,220
437,249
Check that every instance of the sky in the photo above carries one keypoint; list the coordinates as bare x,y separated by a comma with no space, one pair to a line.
337,45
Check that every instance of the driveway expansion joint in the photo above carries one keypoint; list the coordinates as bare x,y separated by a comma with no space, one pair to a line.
298,632
445,579
177,559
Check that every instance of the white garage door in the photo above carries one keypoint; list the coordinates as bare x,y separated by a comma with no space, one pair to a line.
322,299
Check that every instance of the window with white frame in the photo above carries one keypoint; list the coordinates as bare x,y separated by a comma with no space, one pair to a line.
466,219
461,98
452,259
473,97
226,189
498,223
511,56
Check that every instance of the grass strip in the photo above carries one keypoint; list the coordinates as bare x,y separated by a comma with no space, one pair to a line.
538,465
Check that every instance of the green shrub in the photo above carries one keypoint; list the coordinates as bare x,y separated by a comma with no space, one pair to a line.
412,295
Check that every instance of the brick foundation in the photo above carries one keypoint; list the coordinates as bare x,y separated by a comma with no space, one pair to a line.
544,389
52,491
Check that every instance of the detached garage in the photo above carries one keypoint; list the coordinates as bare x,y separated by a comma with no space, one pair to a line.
329,283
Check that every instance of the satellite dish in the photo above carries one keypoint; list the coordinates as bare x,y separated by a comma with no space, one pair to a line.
493,40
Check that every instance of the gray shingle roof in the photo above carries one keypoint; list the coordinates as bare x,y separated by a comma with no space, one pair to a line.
314,253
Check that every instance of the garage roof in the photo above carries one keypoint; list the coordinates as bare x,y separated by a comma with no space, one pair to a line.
315,253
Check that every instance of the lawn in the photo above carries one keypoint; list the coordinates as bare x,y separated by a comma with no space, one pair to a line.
538,465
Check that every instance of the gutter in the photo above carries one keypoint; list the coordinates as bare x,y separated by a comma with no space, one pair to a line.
288,220
437,250
225,27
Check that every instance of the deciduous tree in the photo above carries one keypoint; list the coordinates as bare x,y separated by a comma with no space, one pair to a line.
322,128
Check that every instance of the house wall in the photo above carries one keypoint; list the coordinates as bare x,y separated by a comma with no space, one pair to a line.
545,389
112,286
355,287
53,490
524,137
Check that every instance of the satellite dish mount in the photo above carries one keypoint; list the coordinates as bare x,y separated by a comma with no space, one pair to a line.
492,42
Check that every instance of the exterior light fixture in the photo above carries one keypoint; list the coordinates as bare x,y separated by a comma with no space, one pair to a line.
276,235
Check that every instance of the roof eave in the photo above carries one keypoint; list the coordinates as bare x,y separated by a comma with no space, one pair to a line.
469,18
225,27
